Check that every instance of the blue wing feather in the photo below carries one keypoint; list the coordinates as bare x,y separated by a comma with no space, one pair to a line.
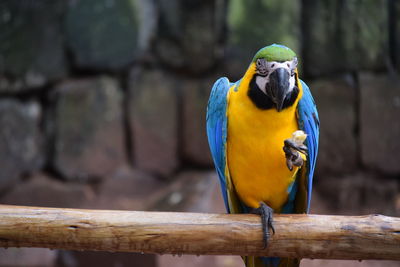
309,123
217,130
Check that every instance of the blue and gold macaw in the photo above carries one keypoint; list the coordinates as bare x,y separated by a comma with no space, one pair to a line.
249,127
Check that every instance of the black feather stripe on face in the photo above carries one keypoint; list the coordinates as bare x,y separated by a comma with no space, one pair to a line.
261,100
264,102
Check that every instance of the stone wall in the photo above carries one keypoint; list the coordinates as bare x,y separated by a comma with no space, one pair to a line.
102,102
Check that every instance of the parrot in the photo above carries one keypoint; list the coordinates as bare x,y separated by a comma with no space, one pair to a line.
263,134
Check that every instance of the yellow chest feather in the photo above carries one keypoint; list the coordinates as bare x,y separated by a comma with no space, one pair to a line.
255,158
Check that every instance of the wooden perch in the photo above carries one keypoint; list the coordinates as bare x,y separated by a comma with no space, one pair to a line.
300,236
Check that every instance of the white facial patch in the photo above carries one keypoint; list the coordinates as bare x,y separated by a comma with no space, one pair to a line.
271,66
261,82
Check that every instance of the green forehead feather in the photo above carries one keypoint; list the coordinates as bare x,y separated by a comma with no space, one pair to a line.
275,52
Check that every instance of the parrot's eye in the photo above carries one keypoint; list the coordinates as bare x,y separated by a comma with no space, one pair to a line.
259,64
292,73
261,67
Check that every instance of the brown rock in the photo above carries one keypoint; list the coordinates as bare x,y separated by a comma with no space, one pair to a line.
380,123
27,257
191,191
199,261
104,259
41,190
153,116
88,128
336,100
358,194
128,189
348,263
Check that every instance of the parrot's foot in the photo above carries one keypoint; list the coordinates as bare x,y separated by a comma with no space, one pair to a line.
266,214
292,154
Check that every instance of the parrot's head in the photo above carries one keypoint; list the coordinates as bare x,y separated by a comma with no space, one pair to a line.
273,84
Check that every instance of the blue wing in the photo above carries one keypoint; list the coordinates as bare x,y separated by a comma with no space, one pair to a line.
217,130
309,122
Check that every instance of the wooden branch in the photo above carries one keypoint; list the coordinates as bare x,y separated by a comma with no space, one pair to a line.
299,236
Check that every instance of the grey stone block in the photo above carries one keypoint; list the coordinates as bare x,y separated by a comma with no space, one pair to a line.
31,44
21,144
109,34
154,120
88,131
344,35
190,34
336,104
195,93
380,123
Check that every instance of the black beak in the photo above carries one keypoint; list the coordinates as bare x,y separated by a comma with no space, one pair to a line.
278,87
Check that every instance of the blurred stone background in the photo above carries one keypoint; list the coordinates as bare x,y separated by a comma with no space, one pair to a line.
102,105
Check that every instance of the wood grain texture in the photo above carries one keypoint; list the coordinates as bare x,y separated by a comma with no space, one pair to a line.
300,236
